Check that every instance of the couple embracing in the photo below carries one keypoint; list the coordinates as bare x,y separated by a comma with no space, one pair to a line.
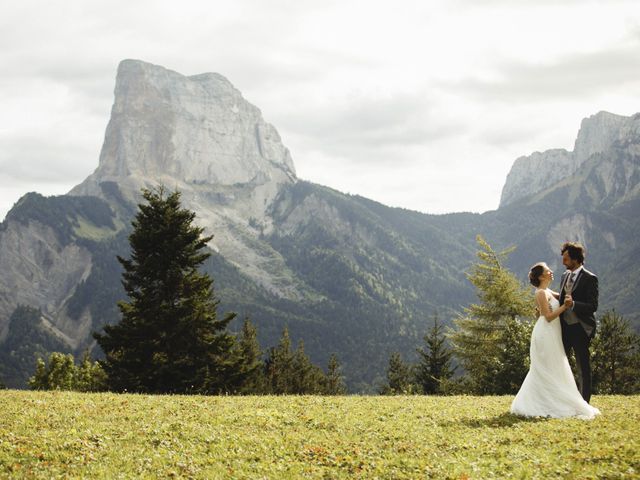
566,322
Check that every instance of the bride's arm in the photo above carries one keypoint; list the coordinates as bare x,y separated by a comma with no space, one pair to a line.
545,309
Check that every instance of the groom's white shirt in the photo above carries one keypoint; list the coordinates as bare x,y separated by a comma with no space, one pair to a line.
577,270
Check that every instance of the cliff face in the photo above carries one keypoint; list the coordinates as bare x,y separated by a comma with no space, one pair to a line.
199,135
539,171
196,130
41,271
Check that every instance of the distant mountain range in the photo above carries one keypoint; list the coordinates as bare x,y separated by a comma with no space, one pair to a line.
343,273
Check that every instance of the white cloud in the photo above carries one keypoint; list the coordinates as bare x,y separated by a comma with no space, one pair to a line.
423,105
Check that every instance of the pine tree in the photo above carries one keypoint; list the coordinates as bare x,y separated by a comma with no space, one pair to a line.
90,377
398,377
616,356
39,379
334,381
307,378
291,372
279,366
513,357
59,374
483,339
434,365
252,367
169,339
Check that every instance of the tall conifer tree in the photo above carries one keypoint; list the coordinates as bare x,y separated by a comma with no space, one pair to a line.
307,377
489,335
335,381
616,356
90,376
399,376
279,366
169,339
291,372
252,366
434,365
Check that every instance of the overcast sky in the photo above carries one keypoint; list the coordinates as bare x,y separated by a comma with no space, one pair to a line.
418,104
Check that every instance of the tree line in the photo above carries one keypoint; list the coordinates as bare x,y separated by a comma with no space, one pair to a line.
284,371
170,338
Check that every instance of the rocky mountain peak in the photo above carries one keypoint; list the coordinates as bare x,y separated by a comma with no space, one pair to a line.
597,133
185,130
538,171
197,134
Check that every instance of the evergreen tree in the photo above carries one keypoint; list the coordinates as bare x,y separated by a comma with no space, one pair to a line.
513,357
62,373
169,339
488,338
434,365
307,377
616,356
334,381
290,372
252,366
90,377
39,379
279,366
59,374
398,376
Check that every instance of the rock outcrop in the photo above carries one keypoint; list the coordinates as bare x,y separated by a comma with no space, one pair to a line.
187,131
540,170
199,135
40,271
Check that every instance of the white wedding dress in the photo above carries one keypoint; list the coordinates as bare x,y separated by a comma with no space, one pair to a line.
549,390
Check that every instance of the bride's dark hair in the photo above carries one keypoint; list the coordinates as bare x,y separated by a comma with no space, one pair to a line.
534,274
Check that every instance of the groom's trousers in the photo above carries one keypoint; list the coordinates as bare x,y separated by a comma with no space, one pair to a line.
575,338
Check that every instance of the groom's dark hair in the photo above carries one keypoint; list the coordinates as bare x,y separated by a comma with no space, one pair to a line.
576,251
534,274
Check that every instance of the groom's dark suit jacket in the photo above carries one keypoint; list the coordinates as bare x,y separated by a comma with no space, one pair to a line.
585,298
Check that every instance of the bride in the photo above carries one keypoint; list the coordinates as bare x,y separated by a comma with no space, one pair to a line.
549,390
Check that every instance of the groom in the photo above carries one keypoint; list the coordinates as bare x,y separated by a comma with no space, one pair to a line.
580,287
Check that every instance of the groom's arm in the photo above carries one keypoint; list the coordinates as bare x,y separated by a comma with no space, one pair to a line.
588,307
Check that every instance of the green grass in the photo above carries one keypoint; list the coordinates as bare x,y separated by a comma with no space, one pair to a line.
86,229
72,435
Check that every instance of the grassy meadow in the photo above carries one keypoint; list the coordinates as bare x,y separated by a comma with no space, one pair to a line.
74,435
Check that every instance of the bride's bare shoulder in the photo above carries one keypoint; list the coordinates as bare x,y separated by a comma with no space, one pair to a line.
541,294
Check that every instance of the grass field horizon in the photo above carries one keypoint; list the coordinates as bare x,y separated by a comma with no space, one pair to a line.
106,435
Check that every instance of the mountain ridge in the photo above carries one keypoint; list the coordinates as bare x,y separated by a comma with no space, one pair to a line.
530,174
344,273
